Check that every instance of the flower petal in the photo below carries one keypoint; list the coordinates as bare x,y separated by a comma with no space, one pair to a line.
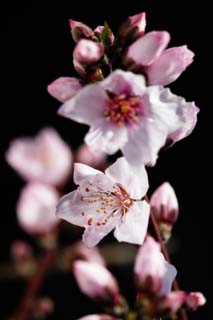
94,234
36,208
144,142
70,207
148,48
64,88
169,66
189,120
82,171
134,180
169,276
124,82
106,137
86,106
133,227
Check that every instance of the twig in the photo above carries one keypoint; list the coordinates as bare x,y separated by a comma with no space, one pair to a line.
34,284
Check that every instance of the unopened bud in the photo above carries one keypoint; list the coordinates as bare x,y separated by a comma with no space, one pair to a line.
80,30
88,52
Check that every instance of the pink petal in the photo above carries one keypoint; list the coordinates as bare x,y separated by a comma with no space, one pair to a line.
94,234
106,137
86,106
144,143
123,82
189,119
134,180
45,158
138,21
80,30
95,280
64,88
133,226
94,159
36,208
169,66
148,48
149,264
88,52
165,204
70,208
195,300
82,171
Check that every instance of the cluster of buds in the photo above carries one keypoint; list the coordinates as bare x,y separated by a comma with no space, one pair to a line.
153,282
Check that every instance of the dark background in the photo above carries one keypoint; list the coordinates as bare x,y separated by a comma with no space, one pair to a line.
36,48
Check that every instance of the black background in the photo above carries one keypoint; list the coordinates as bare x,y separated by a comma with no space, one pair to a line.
36,48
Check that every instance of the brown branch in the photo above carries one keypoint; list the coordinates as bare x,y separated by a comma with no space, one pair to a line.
164,250
34,283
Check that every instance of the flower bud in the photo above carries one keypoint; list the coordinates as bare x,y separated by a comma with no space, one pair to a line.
195,300
96,281
80,30
88,52
133,28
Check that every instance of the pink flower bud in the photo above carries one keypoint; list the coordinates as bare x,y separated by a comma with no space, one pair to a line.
96,281
169,66
133,28
195,300
36,208
153,273
164,204
88,52
172,302
45,158
64,88
93,159
80,30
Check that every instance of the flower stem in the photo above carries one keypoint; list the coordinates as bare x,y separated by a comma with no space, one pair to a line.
34,283
164,250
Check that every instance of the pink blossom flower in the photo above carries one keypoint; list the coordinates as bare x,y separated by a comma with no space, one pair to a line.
88,52
133,28
64,88
96,281
45,158
164,203
153,272
161,65
86,156
195,300
98,317
36,208
103,202
125,114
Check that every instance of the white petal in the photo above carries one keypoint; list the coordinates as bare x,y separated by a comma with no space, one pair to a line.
168,278
133,229
86,106
106,137
70,207
93,235
82,171
144,142
124,82
134,180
